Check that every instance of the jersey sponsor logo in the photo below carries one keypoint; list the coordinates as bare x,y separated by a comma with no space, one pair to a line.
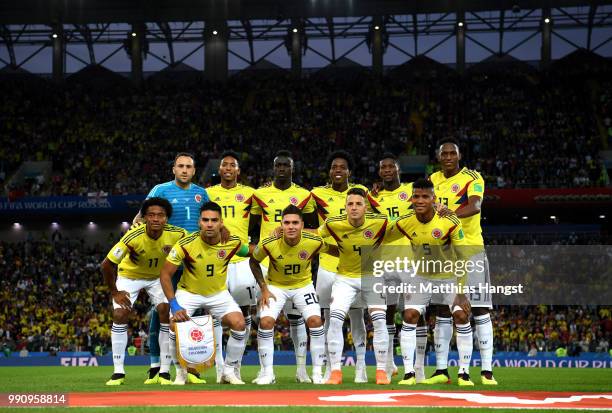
368,234
293,200
166,249
331,199
280,257
436,233
239,197
221,254
455,188
196,335
217,199
414,234
345,236
174,201
402,196
303,254
198,198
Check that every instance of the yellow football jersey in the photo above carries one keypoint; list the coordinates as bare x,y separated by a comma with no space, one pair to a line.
394,204
455,191
205,265
431,241
290,265
140,257
269,202
352,239
236,205
330,203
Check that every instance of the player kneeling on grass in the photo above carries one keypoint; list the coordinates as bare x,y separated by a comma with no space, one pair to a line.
290,279
203,284
133,264
435,240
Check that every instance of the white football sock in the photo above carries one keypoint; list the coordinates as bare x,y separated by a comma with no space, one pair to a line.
442,337
235,348
465,344
164,351
119,339
484,331
408,346
265,348
335,339
299,336
358,330
381,338
421,347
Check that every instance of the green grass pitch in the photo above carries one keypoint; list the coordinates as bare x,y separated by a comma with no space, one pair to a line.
92,379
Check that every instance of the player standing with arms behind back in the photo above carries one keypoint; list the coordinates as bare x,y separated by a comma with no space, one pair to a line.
268,204
331,202
393,199
462,191
235,200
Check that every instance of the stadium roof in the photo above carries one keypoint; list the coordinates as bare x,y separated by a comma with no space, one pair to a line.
100,11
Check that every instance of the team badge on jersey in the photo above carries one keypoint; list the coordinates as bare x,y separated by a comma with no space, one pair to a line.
368,234
293,200
166,249
239,197
303,254
196,335
436,233
198,198
221,254
455,188
402,196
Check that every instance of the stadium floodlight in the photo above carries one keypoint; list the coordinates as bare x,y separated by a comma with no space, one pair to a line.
54,35
124,224
602,216
525,218
376,27
460,24
547,20
17,225
54,225
92,223
214,32
295,30
553,217
133,34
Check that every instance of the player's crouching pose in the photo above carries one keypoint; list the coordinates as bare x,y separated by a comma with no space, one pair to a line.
353,231
434,238
203,284
290,279
133,265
